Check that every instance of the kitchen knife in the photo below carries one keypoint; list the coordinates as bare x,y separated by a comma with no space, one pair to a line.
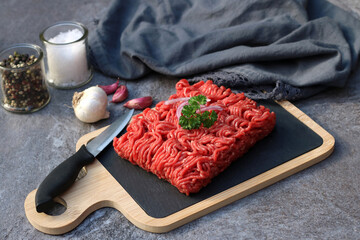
64,175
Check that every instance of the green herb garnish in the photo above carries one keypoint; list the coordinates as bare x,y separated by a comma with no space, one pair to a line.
192,118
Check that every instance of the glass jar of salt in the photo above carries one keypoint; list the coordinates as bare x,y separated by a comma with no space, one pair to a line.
66,64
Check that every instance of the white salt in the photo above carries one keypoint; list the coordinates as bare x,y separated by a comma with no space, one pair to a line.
67,37
67,63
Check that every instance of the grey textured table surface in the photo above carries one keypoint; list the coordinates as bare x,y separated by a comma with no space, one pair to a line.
321,202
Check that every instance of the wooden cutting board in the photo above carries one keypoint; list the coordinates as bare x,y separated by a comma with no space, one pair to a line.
155,206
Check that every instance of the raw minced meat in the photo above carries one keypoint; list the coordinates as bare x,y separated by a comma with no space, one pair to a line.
189,159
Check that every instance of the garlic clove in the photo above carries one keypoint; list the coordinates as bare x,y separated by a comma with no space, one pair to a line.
90,105
120,95
109,89
139,103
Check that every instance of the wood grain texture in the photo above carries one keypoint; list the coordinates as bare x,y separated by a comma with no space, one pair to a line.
99,189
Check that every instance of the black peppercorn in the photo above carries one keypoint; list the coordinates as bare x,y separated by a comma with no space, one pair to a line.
22,89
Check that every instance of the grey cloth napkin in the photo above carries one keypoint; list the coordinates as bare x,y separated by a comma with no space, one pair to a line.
283,49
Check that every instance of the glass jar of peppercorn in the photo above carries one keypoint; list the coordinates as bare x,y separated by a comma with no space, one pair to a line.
23,86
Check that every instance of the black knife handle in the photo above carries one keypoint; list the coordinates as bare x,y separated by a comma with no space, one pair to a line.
61,178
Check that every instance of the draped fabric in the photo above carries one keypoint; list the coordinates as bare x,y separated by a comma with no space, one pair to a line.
283,49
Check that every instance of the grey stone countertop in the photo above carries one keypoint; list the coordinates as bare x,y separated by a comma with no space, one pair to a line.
321,202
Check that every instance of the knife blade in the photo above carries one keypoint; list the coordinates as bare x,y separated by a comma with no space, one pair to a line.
63,176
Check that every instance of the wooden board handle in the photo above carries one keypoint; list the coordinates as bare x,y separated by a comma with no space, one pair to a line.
83,191
80,200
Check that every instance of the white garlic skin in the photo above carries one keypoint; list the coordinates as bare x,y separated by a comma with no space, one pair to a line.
90,105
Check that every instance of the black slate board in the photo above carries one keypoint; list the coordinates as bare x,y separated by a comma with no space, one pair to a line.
158,198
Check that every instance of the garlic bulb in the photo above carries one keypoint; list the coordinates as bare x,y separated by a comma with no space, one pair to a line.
90,105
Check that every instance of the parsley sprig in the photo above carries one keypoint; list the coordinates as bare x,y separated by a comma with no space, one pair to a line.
191,118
